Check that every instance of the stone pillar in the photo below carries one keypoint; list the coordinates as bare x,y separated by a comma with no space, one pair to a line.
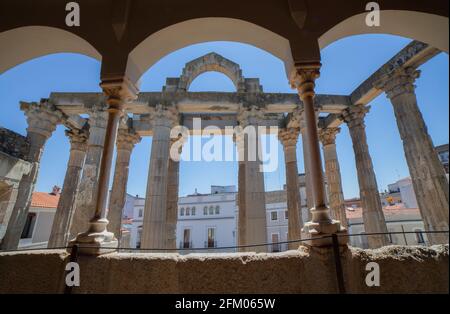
252,226
303,79
289,138
8,197
333,173
60,234
42,119
305,146
172,201
86,199
154,224
126,140
373,216
427,173
97,240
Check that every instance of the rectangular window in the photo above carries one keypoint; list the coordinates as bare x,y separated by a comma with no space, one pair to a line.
419,236
275,240
139,236
211,237
274,215
29,226
140,212
186,238
286,215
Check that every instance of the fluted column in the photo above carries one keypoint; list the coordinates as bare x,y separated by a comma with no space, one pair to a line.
427,173
60,234
42,119
252,199
333,173
303,79
289,138
154,224
97,239
126,140
86,199
373,216
172,200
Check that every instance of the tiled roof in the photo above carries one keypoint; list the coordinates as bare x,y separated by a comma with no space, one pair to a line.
44,200
354,213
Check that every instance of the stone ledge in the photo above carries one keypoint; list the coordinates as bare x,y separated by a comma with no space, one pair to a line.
403,270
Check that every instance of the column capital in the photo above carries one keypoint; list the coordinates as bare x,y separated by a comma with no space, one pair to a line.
288,137
127,138
398,82
303,78
250,116
118,90
98,117
164,115
328,135
78,139
355,115
42,118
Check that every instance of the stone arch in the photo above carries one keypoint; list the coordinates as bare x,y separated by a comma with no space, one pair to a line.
216,63
199,30
425,27
211,62
26,43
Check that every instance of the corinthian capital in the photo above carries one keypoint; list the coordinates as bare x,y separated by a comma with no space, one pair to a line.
328,135
127,138
164,115
78,139
98,117
354,115
303,78
288,137
42,118
118,90
250,116
399,81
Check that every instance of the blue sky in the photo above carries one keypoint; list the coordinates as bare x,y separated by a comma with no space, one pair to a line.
346,64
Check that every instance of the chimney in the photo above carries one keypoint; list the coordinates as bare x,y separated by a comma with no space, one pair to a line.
56,190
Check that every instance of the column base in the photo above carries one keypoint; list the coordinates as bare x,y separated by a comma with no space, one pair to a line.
96,241
318,234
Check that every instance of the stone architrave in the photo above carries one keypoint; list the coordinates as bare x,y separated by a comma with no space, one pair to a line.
373,217
289,139
427,173
126,140
251,199
154,224
87,192
42,120
60,234
333,172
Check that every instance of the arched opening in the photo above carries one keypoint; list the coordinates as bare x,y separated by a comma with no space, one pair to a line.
190,32
428,28
29,42
212,82
30,81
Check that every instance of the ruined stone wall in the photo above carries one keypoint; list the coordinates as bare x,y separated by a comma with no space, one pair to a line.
13,144
403,270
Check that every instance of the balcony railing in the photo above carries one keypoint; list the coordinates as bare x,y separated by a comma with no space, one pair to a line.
210,244
185,245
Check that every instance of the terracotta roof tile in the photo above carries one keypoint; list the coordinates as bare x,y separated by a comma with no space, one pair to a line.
353,213
44,200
